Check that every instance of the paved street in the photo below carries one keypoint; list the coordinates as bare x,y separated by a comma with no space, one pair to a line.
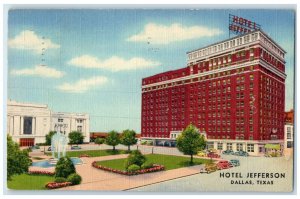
213,182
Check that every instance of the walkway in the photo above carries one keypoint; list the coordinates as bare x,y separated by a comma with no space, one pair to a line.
96,179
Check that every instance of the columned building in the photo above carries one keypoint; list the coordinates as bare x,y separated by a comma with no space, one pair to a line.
233,91
29,123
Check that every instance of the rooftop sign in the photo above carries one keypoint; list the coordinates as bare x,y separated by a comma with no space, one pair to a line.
239,25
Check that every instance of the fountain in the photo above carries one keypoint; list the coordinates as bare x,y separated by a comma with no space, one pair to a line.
59,144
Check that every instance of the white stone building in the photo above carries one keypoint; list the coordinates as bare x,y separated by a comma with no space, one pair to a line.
29,123
288,135
68,122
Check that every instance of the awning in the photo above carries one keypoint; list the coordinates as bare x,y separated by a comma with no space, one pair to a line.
272,146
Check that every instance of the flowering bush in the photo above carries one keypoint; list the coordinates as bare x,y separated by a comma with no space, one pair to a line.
55,185
49,173
84,156
155,168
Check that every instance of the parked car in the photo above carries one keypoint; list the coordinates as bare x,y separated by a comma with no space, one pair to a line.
213,155
202,153
241,153
75,147
212,167
228,152
234,162
223,164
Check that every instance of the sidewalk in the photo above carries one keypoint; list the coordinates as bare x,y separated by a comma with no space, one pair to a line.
96,179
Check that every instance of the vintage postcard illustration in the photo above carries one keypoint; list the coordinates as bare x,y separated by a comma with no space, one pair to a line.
150,100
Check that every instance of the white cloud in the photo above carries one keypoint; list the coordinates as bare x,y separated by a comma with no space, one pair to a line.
42,71
83,85
161,34
28,40
113,64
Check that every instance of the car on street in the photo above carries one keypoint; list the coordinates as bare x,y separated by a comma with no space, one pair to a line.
241,153
201,154
234,162
228,152
213,155
209,168
223,164
75,147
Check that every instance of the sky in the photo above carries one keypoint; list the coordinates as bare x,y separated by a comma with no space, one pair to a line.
93,61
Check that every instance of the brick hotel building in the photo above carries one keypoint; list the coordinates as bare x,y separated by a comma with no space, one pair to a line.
233,91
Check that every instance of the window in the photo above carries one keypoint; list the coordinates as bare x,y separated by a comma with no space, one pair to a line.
220,146
239,147
288,136
229,146
27,125
210,145
251,77
250,147
60,120
79,128
289,144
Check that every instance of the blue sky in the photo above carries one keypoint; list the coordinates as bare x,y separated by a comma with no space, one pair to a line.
94,60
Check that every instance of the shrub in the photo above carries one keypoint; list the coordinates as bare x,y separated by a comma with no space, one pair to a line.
64,167
60,179
74,178
133,168
55,185
75,137
147,165
136,157
49,173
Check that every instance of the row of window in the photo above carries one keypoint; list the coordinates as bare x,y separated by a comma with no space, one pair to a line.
223,46
220,74
239,147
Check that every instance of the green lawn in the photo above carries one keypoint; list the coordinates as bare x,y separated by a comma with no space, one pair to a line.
93,153
169,161
29,182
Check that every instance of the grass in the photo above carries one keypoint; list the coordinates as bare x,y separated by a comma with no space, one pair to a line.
93,153
169,161
29,182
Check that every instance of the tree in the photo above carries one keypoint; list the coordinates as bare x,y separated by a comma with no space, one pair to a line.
18,160
75,137
190,141
99,141
64,167
49,137
128,138
112,139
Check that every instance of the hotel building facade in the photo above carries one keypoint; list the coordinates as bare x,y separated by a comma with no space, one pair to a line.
233,91
29,123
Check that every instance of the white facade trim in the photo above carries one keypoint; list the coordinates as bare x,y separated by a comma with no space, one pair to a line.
259,40
229,68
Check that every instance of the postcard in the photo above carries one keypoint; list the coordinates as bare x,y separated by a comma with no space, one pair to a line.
150,100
